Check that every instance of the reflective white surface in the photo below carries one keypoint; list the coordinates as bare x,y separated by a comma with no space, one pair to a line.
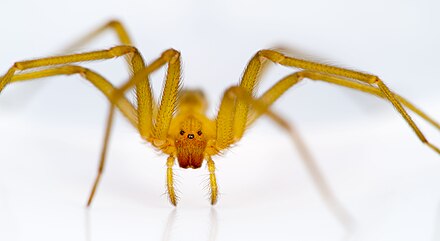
388,185
51,130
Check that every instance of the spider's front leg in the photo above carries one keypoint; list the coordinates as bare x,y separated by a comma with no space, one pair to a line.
316,71
156,131
135,61
59,65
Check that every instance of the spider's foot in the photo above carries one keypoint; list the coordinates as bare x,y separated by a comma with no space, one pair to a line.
170,181
214,189
214,195
172,197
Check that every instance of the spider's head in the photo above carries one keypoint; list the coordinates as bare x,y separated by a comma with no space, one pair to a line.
190,144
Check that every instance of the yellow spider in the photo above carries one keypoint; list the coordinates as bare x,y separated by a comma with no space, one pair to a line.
178,125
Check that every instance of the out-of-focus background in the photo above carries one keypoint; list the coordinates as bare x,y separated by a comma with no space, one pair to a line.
51,130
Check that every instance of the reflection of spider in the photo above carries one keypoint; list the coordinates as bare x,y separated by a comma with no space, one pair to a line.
178,125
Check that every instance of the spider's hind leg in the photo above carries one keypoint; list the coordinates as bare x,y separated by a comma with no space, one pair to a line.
382,91
101,84
114,25
156,131
259,107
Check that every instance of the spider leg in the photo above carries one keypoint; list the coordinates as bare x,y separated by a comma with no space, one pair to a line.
136,61
212,180
170,181
157,133
283,85
260,107
144,95
105,87
225,121
250,77
143,89
103,155
115,25
271,95
126,108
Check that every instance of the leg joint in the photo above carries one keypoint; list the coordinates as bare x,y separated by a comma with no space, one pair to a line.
18,66
123,50
374,79
171,54
211,165
272,55
302,74
170,162
114,23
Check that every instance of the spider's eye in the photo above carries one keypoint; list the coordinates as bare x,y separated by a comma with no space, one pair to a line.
182,132
199,133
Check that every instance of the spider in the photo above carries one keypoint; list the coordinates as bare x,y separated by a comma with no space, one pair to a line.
177,125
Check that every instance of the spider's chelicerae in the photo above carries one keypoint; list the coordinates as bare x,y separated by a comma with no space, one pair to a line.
177,125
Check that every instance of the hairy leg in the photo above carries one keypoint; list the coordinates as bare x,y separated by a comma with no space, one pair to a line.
115,25
136,61
102,85
126,108
106,88
167,106
103,154
260,107
144,94
212,180
170,181
283,85
157,134
250,77
145,100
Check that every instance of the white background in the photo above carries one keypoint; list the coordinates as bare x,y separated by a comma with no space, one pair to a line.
51,130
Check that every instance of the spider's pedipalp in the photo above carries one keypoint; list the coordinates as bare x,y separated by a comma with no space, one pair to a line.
170,181
212,180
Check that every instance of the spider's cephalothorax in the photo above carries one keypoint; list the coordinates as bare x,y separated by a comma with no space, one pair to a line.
191,129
